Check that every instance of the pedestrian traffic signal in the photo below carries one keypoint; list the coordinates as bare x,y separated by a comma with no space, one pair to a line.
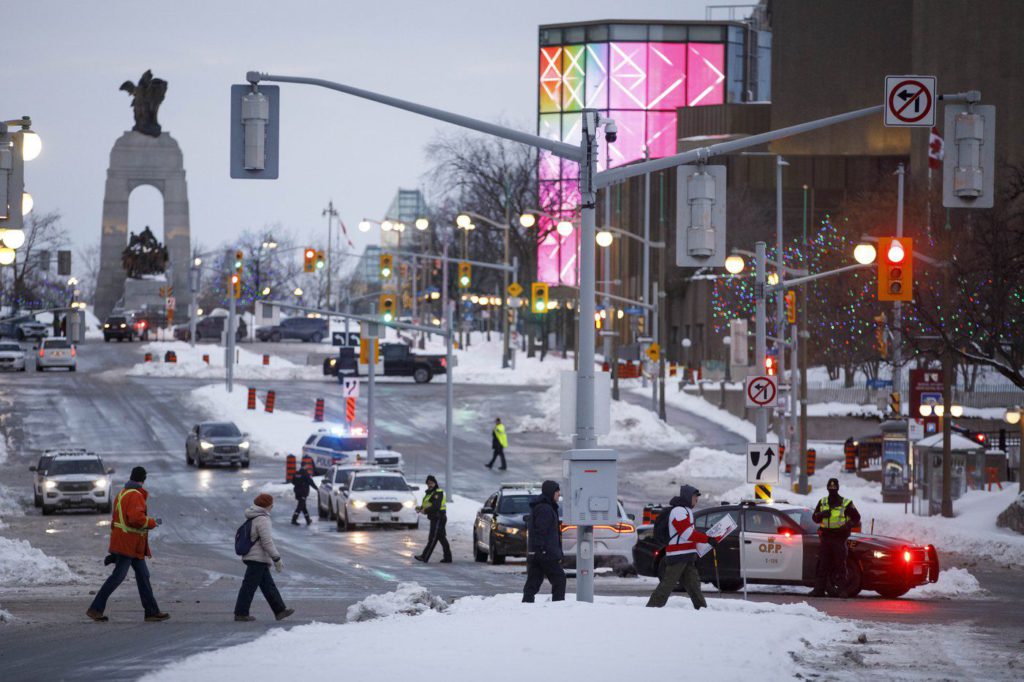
539,297
236,286
239,262
895,269
388,307
386,265
771,365
791,307
465,274
309,260
319,260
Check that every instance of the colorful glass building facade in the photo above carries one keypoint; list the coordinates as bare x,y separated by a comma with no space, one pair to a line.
639,74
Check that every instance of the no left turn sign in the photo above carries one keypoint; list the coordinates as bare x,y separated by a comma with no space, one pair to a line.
910,101
762,391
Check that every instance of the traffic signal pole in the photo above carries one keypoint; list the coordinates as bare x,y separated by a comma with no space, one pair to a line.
897,306
760,332
229,345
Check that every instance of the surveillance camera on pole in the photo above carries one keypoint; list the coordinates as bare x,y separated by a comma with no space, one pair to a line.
255,131
968,170
700,216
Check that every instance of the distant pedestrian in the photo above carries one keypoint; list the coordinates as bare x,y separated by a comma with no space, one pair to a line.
836,517
544,548
681,551
435,506
258,560
129,547
499,441
301,483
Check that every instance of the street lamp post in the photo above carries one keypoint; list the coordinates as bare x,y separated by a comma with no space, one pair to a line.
331,214
506,227
1015,415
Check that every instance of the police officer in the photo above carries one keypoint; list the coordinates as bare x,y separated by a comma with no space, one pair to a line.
301,483
499,441
434,506
835,516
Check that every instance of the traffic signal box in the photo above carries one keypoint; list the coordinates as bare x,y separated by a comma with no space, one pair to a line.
236,286
309,260
539,297
465,275
319,260
239,256
388,307
895,269
790,300
387,265
771,365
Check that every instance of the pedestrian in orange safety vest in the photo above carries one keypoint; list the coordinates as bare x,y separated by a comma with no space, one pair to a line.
129,547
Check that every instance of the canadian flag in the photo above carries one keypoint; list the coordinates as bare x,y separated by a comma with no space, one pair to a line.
936,149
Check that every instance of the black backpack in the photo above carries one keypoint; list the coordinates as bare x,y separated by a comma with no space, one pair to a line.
661,533
243,538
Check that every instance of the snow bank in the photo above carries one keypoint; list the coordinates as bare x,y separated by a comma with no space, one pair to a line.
21,565
534,640
953,582
278,432
632,426
480,363
702,408
700,463
8,504
410,599
190,364
6,617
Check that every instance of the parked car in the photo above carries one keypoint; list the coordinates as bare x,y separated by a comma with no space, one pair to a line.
24,328
398,361
56,352
311,329
12,356
329,500
74,480
216,443
118,327
142,321
211,328
613,543
377,497
499,529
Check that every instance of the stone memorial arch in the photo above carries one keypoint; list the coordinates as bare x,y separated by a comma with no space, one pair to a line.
144,155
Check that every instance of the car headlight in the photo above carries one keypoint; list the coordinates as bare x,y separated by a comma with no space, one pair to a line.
879,555
408,504
123,325
244,445
100,482
508,529
357,504
106,326
333,362
205,445
50,485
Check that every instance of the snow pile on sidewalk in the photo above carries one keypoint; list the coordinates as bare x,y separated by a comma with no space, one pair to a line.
410,599
279,431
539,636
480,363
701,462
953,582
8,504
190,364
702,408
632,425
21,565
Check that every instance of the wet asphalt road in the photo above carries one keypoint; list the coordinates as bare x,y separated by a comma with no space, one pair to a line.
195,572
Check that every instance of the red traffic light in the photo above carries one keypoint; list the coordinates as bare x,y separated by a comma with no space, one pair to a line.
771,365
310,253
896,253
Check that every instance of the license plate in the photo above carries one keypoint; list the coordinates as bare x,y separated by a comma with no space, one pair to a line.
58,354
918,570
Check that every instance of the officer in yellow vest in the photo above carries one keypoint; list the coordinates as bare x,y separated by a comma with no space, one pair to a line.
836,517
435,506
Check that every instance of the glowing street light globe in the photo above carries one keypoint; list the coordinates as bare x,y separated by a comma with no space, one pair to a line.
956,411
463,220
864,254
13,238
527,220
298,291
386,226
564,228
31,145
1012,416
364,226
734,265
773,278
27,203
6,255
925,410
422,224
605,238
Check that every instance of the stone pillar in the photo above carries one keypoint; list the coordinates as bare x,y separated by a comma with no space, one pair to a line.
135,160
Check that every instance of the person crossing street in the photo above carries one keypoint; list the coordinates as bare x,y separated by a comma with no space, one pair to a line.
836,517
301,483
544,545
129,547
499,441
681,550
435,507
261,554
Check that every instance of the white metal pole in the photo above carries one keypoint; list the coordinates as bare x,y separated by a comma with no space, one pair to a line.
229,345
449,400
897,307
760,340
780,304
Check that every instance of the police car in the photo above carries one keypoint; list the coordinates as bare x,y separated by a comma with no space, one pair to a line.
344,445
376,497
329,499
780,547
72,479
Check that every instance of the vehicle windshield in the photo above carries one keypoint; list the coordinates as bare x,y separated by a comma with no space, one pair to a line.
379,483
342,443
514,504
60,467
116,320
57,343
221,431
803,518
9,347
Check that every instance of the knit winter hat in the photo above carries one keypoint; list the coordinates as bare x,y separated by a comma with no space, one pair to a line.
138,475
430,477
264,500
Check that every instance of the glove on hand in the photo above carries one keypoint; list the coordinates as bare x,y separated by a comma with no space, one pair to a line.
278,565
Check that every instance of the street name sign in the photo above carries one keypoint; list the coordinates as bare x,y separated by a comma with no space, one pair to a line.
910,101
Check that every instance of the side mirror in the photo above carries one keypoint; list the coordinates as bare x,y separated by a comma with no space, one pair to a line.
487,510
32,468
631,517
111,470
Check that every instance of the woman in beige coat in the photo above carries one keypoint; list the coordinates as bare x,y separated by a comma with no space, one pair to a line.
258,561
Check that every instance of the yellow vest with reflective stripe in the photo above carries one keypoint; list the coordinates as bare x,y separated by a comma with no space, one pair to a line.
120,524
428,499
835,516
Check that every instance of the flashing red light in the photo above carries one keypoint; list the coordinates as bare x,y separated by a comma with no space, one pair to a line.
142,324
787,533
310,253
771,366
40,352
980,437
896,253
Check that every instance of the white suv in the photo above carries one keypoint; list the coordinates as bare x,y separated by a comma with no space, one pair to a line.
377,497
56,352
75,480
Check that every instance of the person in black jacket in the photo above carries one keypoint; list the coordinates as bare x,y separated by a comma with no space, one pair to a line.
544,549
836,517
301,483
435,506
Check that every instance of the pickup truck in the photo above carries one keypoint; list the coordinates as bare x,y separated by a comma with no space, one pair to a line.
399,361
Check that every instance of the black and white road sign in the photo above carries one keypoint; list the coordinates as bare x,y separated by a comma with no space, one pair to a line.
762,391
762,463
350,387
910,101
345,339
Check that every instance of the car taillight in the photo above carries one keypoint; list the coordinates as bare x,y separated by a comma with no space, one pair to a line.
40,352
623,528
444,362
73,351
906,555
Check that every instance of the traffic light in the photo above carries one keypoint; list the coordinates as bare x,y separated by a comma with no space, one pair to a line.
895,269
236,286
309,260
387,267
465,274
239,256
388,307
319,260
539,297
771,365
791,307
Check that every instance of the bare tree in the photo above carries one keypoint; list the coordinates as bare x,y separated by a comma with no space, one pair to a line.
34,287
89,270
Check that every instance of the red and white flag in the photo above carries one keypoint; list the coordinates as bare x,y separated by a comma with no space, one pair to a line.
936,149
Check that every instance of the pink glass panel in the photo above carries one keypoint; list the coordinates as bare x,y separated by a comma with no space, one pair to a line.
705,74
628,76
666,76
629,145
661,133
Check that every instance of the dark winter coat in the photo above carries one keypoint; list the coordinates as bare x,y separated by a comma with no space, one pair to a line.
545,529
302,482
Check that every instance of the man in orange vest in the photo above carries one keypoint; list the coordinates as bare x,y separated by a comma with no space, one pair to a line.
129,547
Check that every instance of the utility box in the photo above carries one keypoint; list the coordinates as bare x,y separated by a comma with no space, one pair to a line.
591,493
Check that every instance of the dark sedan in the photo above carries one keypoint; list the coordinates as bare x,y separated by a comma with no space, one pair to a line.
781,548
499,530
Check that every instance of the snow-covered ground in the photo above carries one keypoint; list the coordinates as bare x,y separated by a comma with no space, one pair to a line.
190,364
464,639
21,565
702,408
277,432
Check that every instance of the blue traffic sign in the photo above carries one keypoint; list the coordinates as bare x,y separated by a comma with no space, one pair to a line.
879,383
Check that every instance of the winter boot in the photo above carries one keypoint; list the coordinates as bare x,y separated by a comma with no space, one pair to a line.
295,519
308,520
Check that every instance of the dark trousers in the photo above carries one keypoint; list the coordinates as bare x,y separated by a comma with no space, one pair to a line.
831,560
690,576
257,574
300,508
438,534
498,452
537,569
117,577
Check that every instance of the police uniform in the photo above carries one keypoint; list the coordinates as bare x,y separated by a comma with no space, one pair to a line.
836,516
435,505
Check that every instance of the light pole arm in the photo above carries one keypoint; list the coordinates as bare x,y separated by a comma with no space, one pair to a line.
790,283
786,268
561,149
625,233
490,222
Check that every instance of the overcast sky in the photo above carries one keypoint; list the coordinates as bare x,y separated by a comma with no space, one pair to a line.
64,62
